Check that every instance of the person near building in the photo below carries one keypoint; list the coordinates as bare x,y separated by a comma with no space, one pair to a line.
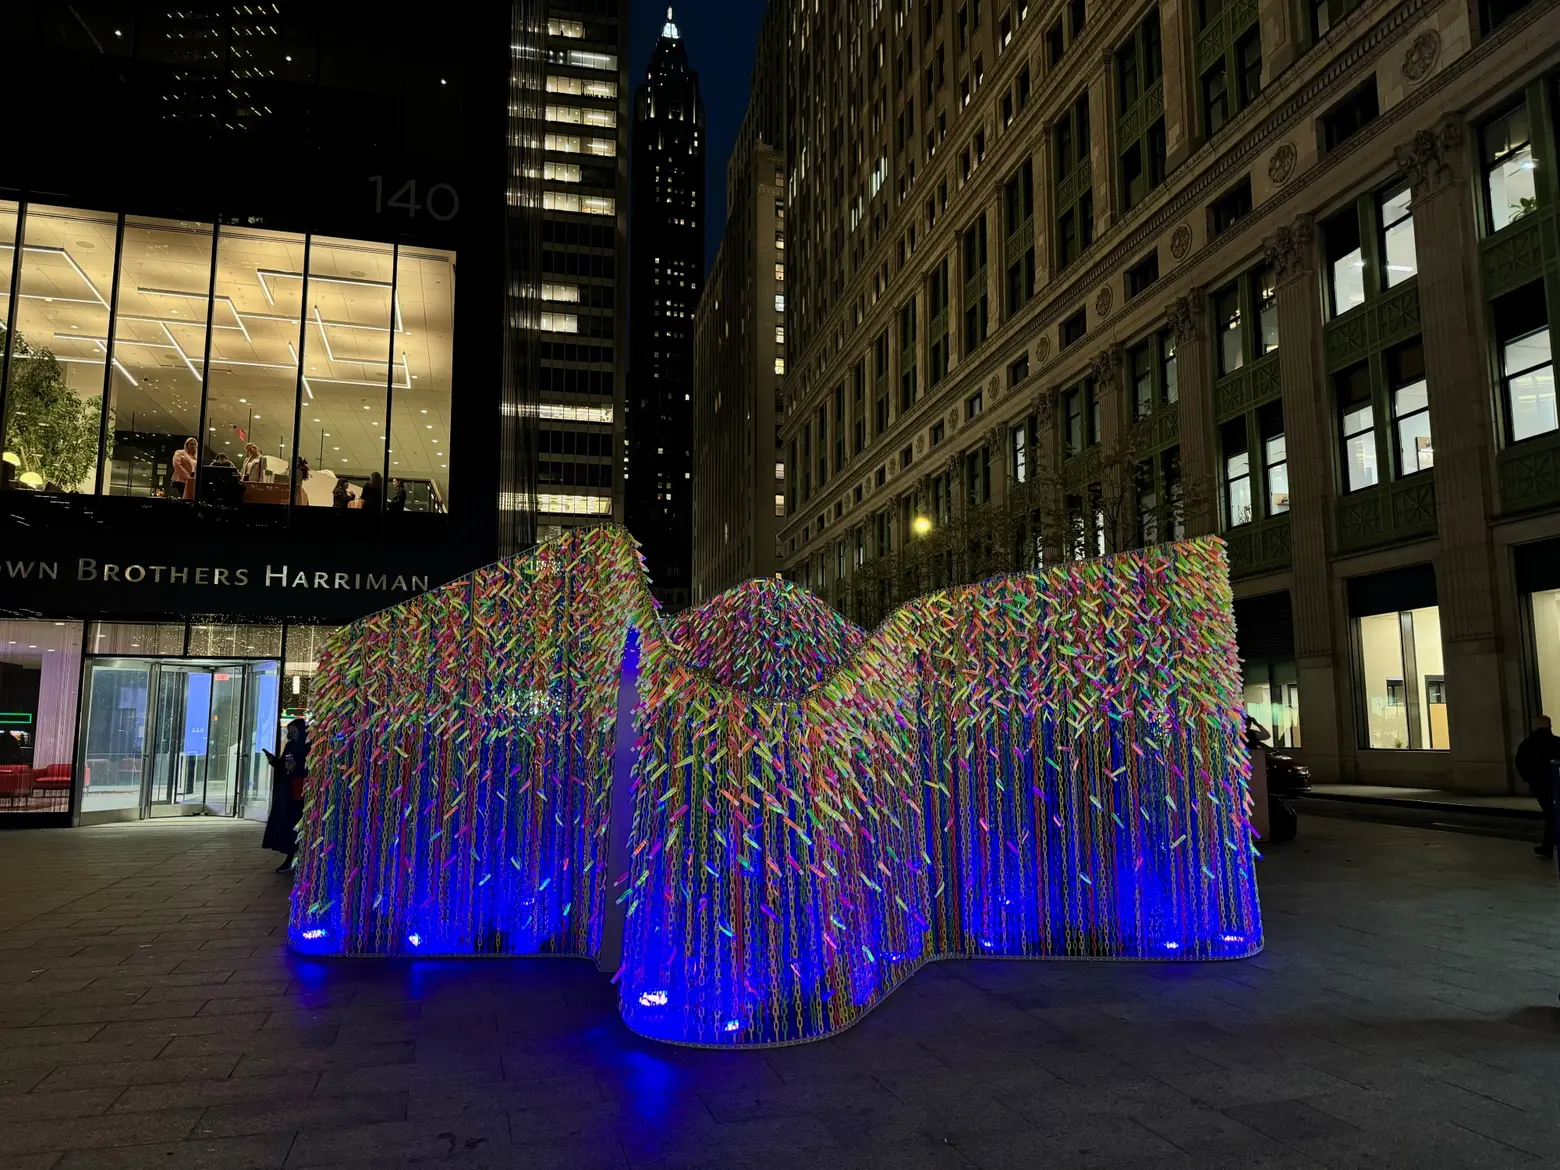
1535,760
373,492
340,497
289,771
397,500
254,465
184,469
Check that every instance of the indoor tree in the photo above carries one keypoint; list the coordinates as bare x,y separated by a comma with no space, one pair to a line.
51,434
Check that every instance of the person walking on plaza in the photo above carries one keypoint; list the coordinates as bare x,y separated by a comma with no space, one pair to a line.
289,771
1536,756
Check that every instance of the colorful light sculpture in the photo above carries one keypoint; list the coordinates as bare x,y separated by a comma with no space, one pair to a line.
1045,765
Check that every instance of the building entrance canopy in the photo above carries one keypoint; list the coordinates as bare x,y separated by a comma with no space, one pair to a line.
1044,765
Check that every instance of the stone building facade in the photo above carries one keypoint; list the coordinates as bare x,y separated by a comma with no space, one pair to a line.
1070,278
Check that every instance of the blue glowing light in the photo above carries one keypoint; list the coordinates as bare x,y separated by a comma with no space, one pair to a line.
761,810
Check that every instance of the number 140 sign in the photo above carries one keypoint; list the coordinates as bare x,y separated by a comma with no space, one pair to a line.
440,201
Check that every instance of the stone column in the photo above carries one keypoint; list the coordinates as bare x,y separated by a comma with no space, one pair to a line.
1188,318
1102,122
1452,316
1180,80
1281,32
1324,682
1048,474
1116,487
999,451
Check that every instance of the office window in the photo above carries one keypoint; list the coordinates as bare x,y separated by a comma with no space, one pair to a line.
938,434
1142,274
1357,422
1018,370
973,405
1140,376
976,312
1350,116
907,356
1019,437
1248,59
1345,261
1326,13
1216,99
1264,288
937,319
1527,371
1398,258
1510,189
1018,204
1404,680
1272,694
1237,473
54,403
1167,372
1410,408
1055,45
1230,208
1074,328
1075,212
1072,421
1275,458
1229,327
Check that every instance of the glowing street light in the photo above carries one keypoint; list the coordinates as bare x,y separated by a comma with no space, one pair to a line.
921,525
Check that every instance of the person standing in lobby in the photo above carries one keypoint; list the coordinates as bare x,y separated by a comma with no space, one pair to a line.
184,469
1535,760
373,492
254,465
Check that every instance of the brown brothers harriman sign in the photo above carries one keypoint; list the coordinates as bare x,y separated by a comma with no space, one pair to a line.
335,583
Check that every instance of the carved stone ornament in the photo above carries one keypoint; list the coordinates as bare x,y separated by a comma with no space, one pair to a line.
1422,55
1281,163
1429,159
1044,407
994,386
1288,250
1184,315
993,438
1181,241
920,444
1042,351
953,418
1106,365
1102,302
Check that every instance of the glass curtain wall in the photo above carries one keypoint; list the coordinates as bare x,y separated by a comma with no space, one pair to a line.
209,342
57,349
40,671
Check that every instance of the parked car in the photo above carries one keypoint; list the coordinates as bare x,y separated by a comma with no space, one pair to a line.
1286,776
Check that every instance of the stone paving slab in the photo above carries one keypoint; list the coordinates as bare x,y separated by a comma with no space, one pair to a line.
1403,1014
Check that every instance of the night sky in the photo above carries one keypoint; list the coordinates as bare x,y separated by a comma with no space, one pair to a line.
719,35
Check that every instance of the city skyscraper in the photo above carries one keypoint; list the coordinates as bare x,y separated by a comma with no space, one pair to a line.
577,309
666,273
739,347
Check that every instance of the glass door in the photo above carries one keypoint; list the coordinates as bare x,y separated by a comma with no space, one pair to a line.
181,728
114,738
261,694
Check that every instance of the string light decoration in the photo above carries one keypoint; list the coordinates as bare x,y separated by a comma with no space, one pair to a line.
1044,765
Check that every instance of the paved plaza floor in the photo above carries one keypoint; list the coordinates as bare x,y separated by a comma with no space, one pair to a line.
1403,1014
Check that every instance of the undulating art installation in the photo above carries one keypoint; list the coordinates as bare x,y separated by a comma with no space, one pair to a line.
759,818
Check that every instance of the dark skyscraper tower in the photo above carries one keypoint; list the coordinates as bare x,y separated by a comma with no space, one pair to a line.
666,238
